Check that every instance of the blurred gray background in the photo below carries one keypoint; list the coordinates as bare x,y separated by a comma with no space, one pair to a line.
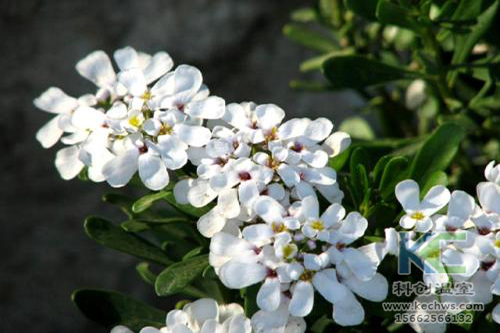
44,253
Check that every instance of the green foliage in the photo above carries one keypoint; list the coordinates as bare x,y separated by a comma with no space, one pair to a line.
179,275
110,308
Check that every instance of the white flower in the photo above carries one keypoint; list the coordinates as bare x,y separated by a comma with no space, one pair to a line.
418,214
138,155
278,321
201,316
183,90
316,226
492,172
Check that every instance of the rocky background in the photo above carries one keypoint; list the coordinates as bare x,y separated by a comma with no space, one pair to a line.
45,255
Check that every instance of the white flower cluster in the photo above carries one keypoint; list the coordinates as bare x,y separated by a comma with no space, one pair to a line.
479,253
143,118
201,316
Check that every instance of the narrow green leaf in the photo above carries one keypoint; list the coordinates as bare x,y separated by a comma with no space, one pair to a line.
146,201
391,13
338,162
179,275
309,38
122,201
194,252
110,308
112,236
304,15
435,178
316,63
437,152
145,273
250,299
465,43
134,226
365,8
379,168
358,72
395,171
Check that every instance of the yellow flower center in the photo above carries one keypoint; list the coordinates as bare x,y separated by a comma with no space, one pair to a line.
165,130
135,121
307,275
497,243
418,216
273,135
289,250
317,225
278,227
147,95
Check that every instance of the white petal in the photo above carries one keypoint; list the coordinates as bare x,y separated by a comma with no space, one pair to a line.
360,264
97,68
302,299
269,295
120,170
212,107
88,118
236,116
54,100
354,226
228,204
333,214
452,258
160,64
374,290
269,115
317,159
121,329
327,285
310,207
461,205
348,312
134,81
50,133
481,287
293,128
337,143
211,223
67,162
268,209
152,171
237,275
224,244
322,176
126,58
424,225
196,136
248,192
407,222
200,194
288,174
202,310
318,129
488,194
181,190
437,197
258,233
175,317
407,193
173,152
496,313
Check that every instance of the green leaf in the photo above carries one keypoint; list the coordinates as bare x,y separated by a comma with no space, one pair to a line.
304,15
179,275
437,152
316,63
112,236
390,13
134,226
435,178
338,162
194,252
357,128
122,201
358,72
465,43
309,38
146,201
379,168
186,209
249,295
145,273
110,308
365,8
394,172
